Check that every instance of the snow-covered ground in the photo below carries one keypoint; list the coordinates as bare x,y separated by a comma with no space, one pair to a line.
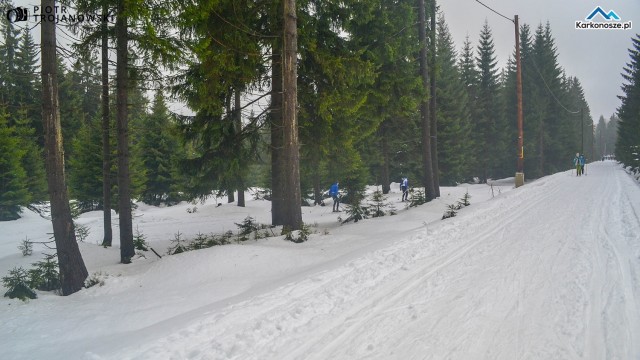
550,270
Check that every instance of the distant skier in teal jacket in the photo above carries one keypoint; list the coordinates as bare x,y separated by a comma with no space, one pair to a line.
576,163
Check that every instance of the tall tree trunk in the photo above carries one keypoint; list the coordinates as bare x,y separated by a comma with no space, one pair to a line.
238,129
290,150
317,193
386,178
124,182
424,106
72,268
106,148
275,115
432,107
241,202
541,146
230,190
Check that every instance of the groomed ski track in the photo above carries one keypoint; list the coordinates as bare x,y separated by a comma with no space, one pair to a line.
546,271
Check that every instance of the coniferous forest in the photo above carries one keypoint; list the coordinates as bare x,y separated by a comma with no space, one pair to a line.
200,98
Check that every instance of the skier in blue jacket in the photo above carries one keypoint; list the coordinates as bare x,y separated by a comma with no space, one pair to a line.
404,186
582,162
334,192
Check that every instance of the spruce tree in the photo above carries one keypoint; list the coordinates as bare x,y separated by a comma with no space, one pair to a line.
455,148
223,147
544,108
33,160
71,115
160,153
85,167
14,193
27,92
330,91
611,135
488,127
470,79
386,120
575,128
600,138
8,74
628,142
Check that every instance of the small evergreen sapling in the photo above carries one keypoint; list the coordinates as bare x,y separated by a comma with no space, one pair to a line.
97,278
140,241
82,232
17,282
44,276
378,204
248,226
465,199
179,244
451,212
417,197
200,242
356,211
297,236
26,247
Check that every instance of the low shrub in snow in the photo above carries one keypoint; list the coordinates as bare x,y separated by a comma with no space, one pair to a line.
297,236
82,232
451,212
44,276
140,241
17,282
95,279
26,247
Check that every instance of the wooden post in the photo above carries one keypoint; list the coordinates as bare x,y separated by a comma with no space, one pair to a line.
520,150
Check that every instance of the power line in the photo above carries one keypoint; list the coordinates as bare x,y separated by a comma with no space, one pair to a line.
481,3
534,64
549,89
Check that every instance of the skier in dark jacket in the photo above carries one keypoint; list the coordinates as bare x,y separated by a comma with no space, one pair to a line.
334,192
404,186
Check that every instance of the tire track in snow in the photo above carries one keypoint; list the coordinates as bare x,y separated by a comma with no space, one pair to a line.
287,322
298,307
621,309
360,316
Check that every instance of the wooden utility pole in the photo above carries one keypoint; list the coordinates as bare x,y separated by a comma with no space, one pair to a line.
73,271
520,150
582,131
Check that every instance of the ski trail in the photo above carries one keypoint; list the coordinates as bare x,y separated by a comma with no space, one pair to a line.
546,272
621,298
386,302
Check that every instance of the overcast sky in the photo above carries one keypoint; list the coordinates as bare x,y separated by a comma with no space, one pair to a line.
595,57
